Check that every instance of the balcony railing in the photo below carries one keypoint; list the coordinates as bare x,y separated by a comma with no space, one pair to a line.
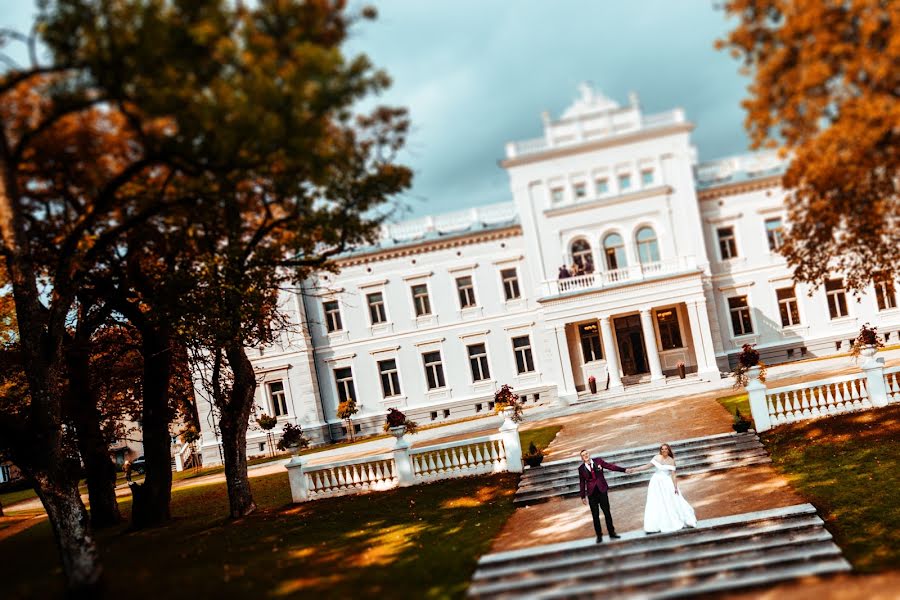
614,277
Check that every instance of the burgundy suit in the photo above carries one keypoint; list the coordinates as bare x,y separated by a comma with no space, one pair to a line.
593,486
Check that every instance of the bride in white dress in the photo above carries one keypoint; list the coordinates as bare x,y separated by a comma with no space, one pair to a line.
666,510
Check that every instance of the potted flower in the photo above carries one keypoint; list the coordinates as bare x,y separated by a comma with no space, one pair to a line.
680,367
741,423
866,343
534,457
592,383
268,423
398,424
292,439
748,367
506,401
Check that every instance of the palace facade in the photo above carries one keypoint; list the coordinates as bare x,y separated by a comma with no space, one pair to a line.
619,257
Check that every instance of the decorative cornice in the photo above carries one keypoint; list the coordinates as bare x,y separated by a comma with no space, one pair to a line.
732,189
370,284
341,357
430,246
616,140
429,342
618,199
465,267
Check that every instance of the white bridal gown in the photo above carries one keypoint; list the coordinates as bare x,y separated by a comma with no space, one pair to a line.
666,511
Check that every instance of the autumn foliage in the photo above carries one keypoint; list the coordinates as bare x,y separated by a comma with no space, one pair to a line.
824,89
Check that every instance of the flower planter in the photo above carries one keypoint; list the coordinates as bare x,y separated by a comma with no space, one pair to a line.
534,461
592,383
681,372
868,351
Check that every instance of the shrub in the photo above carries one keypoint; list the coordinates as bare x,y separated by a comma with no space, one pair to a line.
292,437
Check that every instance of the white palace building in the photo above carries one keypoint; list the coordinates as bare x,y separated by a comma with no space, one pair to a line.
678,264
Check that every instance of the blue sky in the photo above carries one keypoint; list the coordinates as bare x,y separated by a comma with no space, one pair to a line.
476,74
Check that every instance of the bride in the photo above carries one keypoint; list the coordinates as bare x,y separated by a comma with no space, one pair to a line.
666,510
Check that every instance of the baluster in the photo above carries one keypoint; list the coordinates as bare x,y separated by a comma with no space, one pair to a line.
789,407
454,458
864,400
832,402
478,457
779,409
771,408
493,448
895,387
854,390
804,402
379,474
311,482
448,464
470,460
814,403
439,463
328,481
839,398
501,450
431,466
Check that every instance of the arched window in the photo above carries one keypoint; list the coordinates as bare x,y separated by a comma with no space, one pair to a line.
648,248
614,250
582,255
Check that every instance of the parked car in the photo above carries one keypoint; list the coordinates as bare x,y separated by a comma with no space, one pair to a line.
137,466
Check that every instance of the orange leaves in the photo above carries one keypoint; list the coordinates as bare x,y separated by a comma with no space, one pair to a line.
825,80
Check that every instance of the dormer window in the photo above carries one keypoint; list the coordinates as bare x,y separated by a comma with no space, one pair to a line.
602,186
624,181
580,191
557,195
647,177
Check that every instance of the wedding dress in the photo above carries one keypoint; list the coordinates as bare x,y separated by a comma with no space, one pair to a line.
666,511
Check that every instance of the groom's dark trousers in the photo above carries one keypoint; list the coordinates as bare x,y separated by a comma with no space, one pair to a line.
593,486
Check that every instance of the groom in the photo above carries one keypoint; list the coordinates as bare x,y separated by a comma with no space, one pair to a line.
593,491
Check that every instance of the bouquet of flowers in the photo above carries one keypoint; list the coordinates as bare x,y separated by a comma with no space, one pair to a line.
395,418
747,359
506,398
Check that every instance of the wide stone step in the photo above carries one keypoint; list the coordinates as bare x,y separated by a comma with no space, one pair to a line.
720,554
570,487
639,540
537,475
723,439
662,546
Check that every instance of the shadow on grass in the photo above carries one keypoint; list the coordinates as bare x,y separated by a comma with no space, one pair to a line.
420,542
849,467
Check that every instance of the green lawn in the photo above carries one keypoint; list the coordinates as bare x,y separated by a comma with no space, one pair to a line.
17,496
541,436
736,402
417,542
849,467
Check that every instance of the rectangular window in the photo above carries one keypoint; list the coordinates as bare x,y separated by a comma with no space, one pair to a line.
277,398
466,290
740,315
837,298
478,362
390,378
646,176
590,342
332,316
421,300
510,279
787,306
601,186
885,294
727,243
669,329
522,350
434,370
343,379
774,233
580,190
4,473
557,195
624,181
377,313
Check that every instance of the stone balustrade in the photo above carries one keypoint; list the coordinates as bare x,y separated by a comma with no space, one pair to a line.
612,277
403,467
872,387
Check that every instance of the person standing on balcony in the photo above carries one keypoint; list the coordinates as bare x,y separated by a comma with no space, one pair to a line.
594,490
564,273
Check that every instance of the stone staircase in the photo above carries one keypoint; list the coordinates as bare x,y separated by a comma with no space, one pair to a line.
696,455
748,550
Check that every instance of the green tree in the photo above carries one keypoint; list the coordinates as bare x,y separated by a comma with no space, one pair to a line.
825,90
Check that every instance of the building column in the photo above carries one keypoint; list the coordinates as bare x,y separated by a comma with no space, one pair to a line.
565,364
656,373
702,338
612,355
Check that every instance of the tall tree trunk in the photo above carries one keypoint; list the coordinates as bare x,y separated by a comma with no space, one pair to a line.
233,423
100,471
151,498
72,530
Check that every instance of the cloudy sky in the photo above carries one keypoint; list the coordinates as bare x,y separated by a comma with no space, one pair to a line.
478,73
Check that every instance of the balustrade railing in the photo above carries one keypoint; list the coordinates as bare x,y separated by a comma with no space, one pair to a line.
468,457
403,467
601,279
874,386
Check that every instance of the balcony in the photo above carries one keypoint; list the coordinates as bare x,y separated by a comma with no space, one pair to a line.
618,277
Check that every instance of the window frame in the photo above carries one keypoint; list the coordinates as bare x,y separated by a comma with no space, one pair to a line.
669,330
613,251
652,243
885,295
836,300
774,235
623,180
471,301
484,367
336,324
381,304
342,386
391,375
527,355
273,395
645,180
587,342
435,378
731,240
788,307
736,310
513,281
601,186
427,300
